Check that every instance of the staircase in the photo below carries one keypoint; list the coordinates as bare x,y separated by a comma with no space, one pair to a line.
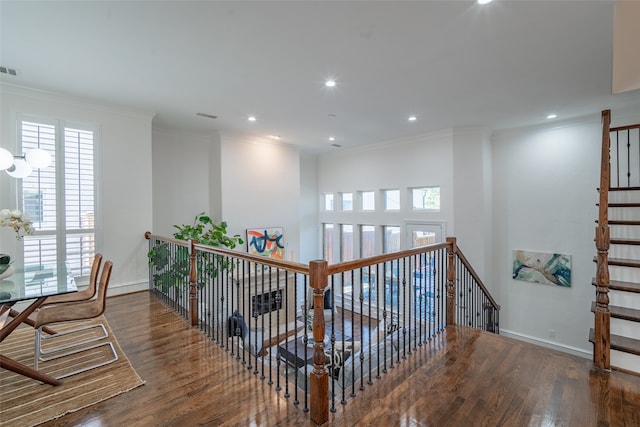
616,334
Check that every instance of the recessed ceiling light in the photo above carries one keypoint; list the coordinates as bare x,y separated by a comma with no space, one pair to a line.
274,136
332,138
484,1
252,118
412,118
552,116
330,83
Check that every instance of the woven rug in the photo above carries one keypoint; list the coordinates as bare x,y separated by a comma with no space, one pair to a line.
25,402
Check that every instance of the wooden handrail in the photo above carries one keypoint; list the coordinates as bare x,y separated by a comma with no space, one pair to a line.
148,235
475,276
378,259
621,128
258,259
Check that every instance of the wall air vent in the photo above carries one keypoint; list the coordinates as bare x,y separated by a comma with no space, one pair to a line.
10,71
208,116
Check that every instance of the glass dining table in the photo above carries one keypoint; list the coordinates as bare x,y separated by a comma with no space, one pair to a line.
33,284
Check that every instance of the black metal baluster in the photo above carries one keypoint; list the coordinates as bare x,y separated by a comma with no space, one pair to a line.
306,341
617,160
353,335
405,297
243,304
258,308
363,349
381,290
628,161
305,314
279,305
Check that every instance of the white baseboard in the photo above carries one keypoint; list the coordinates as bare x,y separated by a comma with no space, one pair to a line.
549,344
126,288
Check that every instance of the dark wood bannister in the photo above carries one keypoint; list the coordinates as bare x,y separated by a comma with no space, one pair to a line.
619,176
295,326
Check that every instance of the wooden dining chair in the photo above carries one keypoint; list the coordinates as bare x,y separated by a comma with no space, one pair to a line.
83,295
70,312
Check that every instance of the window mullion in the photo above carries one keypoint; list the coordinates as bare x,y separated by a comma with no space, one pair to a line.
61,241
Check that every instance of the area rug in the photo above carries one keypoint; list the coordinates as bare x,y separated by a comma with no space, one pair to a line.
25,402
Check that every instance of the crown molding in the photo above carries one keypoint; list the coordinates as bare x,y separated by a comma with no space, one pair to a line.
74,101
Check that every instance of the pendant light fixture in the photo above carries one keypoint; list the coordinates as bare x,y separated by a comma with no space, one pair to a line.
22,166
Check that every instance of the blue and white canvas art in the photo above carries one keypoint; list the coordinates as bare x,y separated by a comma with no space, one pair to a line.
540,267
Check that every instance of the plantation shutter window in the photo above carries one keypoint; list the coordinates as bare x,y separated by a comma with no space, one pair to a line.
60,199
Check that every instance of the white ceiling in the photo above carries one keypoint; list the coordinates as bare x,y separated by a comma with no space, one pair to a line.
451,63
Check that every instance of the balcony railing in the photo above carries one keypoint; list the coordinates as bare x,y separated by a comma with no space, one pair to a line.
320,334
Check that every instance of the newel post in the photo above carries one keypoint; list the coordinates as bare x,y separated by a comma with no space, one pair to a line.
451,281
319,379
193,288
601,340
602,333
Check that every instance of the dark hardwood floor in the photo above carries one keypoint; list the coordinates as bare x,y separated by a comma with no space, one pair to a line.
462,378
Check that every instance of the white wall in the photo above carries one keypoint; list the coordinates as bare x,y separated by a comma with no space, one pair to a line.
124,180
181,178
472,197
424,160
544,192
261,188
309,207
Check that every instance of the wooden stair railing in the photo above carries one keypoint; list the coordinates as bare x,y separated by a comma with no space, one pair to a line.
627,183
319,274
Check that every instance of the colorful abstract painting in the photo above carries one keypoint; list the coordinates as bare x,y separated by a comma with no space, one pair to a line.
268,242
540,267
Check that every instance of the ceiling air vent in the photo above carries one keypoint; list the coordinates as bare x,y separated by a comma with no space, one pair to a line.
208,116
10,71
336,145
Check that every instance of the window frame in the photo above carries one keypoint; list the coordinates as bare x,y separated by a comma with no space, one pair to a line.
362,200
385,197
424,209
63,231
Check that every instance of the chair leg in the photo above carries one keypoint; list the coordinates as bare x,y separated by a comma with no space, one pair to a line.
38,344
75,348
105,334
88,368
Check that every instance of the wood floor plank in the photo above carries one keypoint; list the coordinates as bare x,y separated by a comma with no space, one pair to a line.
462,377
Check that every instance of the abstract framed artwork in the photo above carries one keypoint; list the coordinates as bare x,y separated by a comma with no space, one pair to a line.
541,267
266,241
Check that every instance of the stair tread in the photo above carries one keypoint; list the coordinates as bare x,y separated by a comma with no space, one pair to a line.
620,343
621,262
624,313
623,222
624,205
623,241
623,188
619,285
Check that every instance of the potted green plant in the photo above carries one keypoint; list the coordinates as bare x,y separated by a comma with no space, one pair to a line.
171,270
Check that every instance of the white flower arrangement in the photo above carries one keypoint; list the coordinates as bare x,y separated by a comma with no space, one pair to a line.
17,221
